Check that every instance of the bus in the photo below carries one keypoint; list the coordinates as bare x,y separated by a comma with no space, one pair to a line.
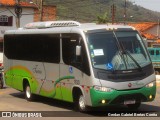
155,57
88,65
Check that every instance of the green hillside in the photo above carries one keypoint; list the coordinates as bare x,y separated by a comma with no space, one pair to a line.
89,10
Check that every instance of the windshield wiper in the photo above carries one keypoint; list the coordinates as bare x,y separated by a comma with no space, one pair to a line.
120,49
126,52
123,51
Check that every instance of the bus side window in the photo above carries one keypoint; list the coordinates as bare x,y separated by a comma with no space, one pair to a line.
152,52
69,43
68,48
157,52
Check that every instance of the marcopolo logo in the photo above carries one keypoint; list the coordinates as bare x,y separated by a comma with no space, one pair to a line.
136,84
130,85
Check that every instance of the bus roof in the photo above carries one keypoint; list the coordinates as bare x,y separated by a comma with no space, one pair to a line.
66,25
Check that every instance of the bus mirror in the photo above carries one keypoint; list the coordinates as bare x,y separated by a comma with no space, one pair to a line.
78,50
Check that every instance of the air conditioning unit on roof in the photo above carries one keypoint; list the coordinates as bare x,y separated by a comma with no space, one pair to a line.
50,24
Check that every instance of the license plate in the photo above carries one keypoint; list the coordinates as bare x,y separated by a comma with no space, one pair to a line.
127,102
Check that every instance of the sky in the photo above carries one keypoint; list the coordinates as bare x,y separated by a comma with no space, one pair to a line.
149,4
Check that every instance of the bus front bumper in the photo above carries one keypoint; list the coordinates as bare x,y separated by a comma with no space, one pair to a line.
115,97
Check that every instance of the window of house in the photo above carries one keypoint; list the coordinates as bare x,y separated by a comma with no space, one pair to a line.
5,20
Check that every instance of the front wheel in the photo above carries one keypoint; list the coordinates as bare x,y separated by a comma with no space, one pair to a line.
80,103
28,94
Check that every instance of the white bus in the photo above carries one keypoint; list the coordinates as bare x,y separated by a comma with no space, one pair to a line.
88,64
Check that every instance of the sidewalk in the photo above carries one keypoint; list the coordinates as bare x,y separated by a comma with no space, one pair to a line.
158,80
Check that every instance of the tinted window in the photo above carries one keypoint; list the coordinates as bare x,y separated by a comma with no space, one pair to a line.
42,48
151,52
69,43
157,52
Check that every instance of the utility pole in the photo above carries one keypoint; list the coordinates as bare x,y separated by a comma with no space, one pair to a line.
41,10
113,10
18,11
125,11
39,5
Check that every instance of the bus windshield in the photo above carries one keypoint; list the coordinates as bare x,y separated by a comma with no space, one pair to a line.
120,50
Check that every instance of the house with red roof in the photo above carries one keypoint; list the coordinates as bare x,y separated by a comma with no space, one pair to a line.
8,16
150,31
30,13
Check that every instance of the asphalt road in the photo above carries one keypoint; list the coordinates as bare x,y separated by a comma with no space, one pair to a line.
13,100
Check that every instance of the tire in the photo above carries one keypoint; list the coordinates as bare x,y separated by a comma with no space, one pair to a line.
81,104
134,106
1,83
28,94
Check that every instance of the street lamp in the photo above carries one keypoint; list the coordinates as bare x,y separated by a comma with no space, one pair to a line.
18,11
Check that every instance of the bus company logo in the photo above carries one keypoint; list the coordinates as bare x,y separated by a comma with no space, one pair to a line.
37,70
130,85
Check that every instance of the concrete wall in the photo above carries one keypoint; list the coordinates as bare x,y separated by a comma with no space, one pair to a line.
153,30
23,20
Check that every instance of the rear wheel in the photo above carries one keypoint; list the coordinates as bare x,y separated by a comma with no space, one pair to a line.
28,94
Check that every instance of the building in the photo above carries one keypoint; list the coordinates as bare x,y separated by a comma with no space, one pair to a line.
48,14
150,31
8,16
30,13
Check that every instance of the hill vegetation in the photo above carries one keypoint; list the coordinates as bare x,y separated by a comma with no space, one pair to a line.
94,10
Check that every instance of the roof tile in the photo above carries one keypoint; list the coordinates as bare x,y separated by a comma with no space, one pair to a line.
143,27
13,2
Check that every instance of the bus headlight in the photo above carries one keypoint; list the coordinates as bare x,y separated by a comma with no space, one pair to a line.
103,89
151,84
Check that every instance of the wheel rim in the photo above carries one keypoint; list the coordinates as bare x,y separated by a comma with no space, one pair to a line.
28,92
82,102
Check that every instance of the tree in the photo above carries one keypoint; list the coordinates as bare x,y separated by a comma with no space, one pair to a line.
102,18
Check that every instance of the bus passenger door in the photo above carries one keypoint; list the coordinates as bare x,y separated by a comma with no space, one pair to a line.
69,70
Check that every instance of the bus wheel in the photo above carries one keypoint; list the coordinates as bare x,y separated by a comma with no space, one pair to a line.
28,94
1,83
134,106
81,104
